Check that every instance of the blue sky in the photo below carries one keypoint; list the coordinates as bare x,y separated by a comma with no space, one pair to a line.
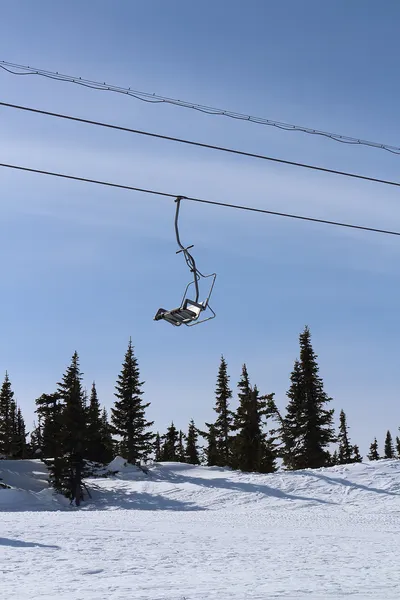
85,267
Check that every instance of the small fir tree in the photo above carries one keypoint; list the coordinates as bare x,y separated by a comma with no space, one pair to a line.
180,451
345,453
398,446
6,417
128,415
224,421
94,442
106,447
389,448
191,450
157,448
212,454
49,408
356,456
68,468
169,447
373,451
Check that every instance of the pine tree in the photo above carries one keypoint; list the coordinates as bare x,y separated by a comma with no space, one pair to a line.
345,448
389,449
224,421
335,458
308,426
67,467
106,448
94,442
192,451
18,443
49,409
157,448
36,440
398,446
180,451
6,417
252,450
373,451
356,456
289,429
211,453
169,447
128,416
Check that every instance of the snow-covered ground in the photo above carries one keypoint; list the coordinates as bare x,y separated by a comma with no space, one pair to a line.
203,533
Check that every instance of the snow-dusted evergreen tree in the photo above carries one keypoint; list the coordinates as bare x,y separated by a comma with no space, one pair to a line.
192,450
180,451
224,421
398,446
67,469
106,441
356,456
49,408
94,442
211,452
6,417
157,448
170,445
345,453
373,451
307,429
389,448
252,449
128,415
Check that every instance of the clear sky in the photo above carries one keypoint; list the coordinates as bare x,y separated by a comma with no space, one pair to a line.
85,267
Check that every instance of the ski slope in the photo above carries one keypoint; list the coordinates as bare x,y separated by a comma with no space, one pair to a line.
203,533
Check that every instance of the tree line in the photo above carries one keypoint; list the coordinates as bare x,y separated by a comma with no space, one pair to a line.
74,435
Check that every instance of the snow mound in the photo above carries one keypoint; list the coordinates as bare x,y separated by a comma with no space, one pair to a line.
182,487
28,487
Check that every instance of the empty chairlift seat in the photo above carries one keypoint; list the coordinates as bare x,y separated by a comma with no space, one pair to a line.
190,310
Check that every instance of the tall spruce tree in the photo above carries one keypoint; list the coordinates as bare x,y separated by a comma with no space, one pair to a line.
128,415
67,470
356,456
170,445
389,448
398,446
106,442
224,421
49,408
6,417
211,451
191,450
373,451
252,450
18,445
308,426
94,442
345,453
157,448
180,451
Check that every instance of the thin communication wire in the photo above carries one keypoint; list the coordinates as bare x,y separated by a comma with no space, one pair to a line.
201,200
202,145
157,99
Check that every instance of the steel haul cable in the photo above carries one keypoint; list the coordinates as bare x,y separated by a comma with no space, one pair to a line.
201,200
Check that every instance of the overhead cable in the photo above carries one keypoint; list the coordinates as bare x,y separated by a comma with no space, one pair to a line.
202,145
157,99
201,200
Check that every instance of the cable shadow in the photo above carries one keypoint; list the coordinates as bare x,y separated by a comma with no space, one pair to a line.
345,482
22,544
223,483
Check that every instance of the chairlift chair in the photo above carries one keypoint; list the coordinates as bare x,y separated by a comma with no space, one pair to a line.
189,312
